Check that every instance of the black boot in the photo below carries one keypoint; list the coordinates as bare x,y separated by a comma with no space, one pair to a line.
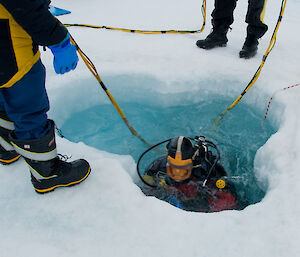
249,48
48,170
217,38
7,153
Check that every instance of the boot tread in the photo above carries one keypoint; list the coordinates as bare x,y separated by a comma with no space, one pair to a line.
47,190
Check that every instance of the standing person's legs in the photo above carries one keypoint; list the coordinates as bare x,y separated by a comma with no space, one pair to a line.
26,104
255,29
7,153
254,18
23,108
223,11
222,18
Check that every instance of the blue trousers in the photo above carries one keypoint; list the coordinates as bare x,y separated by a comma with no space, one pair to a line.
26,104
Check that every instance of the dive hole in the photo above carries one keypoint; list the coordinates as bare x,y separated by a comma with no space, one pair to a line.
238,136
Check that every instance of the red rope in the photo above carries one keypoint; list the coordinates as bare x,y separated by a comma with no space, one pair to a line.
274,96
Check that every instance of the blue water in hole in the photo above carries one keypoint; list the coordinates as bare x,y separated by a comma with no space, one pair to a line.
238,136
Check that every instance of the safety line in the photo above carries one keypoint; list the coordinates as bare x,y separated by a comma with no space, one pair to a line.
94,71
273,96
257,73
203,11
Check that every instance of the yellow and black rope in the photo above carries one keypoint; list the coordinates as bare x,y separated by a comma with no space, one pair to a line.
203,11
258,71
94,71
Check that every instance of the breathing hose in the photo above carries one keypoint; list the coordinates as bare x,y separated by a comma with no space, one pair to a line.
202,143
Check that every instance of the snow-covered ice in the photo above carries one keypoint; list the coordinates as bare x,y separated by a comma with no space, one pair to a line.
108,215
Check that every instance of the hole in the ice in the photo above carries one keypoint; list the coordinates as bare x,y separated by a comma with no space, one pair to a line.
240,134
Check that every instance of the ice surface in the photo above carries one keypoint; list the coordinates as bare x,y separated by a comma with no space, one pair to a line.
108,215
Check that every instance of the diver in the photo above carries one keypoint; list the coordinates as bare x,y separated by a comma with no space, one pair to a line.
190,177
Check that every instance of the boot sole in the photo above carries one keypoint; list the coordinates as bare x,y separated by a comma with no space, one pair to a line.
7,162
243,55
211,47
247,57
47,190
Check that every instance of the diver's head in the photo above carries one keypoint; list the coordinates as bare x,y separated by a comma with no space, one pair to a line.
180,158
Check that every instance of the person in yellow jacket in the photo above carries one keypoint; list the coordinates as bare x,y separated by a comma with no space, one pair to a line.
25,129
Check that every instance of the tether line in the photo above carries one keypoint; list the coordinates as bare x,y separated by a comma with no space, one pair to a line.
172,31
257,73
94,71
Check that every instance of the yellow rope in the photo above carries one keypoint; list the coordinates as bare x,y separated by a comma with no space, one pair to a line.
94,71
203,11
257,73
134,30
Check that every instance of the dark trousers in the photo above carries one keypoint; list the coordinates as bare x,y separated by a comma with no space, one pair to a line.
26,104
223,13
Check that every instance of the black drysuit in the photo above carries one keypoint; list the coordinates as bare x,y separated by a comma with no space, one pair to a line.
223,13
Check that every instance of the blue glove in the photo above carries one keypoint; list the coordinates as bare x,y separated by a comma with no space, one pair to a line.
65,56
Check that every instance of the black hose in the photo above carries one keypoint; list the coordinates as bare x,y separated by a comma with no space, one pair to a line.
138,162
207,142
212,166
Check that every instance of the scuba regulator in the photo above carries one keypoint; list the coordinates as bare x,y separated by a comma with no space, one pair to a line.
201,148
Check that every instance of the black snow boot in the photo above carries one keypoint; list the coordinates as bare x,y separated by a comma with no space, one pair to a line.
217,38
48,169
7,153
249,48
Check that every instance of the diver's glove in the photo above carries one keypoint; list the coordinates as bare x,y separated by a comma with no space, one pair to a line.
65,56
